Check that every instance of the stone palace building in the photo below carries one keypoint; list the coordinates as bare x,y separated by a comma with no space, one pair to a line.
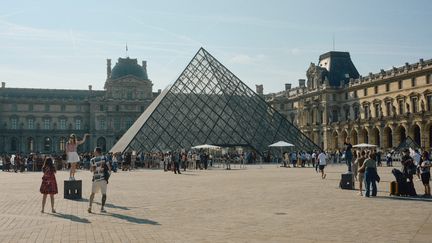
41,120
381,108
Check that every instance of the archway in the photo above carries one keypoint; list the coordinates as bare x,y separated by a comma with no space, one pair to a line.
401,134
14,144
375,137
417,135
62,144
354,137
47,144
335,137
388,138
101,143
30,144
364,136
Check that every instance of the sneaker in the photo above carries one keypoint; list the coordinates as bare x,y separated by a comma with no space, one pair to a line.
103,210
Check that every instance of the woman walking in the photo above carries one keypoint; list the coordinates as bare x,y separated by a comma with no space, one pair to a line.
72,155
49,183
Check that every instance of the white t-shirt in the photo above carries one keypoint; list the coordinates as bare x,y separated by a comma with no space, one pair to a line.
322,157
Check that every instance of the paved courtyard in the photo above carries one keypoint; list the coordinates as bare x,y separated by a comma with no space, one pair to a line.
256,204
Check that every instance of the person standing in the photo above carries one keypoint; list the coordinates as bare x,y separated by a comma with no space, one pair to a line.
348,153
72,155
101,172
322,160
370,168
361,172
425,173
175,158
49,183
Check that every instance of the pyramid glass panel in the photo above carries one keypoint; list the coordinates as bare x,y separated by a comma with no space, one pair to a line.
208,104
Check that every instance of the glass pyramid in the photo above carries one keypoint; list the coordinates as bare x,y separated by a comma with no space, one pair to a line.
208,104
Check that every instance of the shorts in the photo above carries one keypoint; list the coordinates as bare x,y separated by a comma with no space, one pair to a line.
425,177
72,157
99,185
360,177
321,167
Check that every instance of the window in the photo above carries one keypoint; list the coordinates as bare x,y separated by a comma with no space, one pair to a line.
400,84
77,124
347,114
388,108
377,110
429,102
14,123
376,89
62,143
428,78
387,87
356,112
401,107
102,124
30,123
142,108
413,82
47,124
334,97
282,106
366,113
62,124
365,92
78,108
129,122
14,107
101,107
47,108
30,108
63,108
117,108
414,101
129,95
355,94
117,123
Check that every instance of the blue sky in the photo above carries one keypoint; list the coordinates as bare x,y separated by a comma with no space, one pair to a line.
65,44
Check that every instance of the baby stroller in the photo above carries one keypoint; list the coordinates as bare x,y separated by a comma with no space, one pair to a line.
405,188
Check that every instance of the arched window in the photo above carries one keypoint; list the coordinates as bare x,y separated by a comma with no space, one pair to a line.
62,144
14,144
47,144
101,143
30,144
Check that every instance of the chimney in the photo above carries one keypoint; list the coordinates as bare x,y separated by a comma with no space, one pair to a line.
3,85
144,66
90,87
302,83
259,89
287,87
108,68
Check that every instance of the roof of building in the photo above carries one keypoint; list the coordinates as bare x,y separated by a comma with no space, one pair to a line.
128,66
49,93
340,67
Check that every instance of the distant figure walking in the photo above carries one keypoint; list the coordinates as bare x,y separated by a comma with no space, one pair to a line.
322,158
49,183
72,155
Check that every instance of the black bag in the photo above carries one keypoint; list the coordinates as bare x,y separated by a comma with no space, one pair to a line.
411,169
394,190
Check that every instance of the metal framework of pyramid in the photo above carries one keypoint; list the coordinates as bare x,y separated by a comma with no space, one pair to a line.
208,104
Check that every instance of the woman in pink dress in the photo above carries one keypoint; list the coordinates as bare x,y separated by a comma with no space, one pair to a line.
72,155
49,183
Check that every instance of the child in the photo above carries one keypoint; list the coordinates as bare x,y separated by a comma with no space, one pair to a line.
425,173
49,183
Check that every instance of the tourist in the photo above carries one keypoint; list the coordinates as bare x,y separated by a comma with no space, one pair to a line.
322,160
409,168
354,166
370,168
49,183
425,173
72,155
417,158
175,158
389,159
294,159
360,161
348,153
101,172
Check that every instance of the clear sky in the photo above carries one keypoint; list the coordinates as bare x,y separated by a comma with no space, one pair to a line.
65,44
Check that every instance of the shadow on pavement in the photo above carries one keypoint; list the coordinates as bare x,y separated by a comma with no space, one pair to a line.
131,219
418,199
71,218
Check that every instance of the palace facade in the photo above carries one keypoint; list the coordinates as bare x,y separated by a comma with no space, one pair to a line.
41,120
383,108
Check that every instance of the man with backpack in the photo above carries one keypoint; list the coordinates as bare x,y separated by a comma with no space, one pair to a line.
101,172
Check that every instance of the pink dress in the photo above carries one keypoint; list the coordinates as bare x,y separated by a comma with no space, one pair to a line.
72,155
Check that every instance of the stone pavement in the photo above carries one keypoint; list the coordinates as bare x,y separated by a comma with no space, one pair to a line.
257,204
